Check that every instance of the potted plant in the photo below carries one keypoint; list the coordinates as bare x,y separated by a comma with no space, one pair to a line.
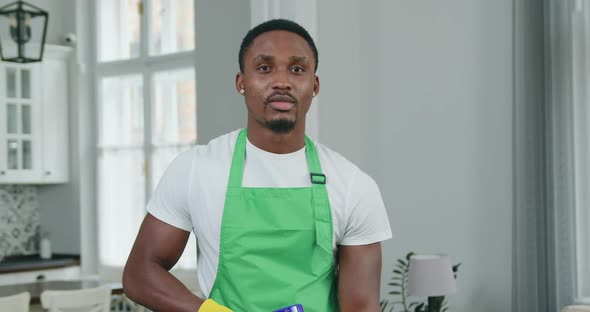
399,283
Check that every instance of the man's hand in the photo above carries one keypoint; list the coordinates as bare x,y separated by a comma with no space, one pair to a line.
146,279
359,278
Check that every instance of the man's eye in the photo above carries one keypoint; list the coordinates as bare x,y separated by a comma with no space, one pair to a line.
297,69
264,68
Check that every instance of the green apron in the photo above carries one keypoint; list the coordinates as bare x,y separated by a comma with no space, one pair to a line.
276,243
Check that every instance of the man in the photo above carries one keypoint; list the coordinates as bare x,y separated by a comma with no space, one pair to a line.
279,220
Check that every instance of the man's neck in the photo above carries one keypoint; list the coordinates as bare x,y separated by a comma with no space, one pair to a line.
278,143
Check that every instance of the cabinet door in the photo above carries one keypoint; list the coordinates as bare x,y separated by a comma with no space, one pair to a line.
34,133
20,140
61,274
8,279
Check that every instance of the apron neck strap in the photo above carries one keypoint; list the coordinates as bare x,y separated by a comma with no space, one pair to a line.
313,163
239,157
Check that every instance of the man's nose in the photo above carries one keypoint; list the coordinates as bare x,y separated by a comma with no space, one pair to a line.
282,80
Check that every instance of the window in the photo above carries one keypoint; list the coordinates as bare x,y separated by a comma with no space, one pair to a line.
146,113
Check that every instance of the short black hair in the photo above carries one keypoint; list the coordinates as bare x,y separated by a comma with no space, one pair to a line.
272,25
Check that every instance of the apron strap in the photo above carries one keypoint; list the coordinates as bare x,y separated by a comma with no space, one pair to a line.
237,167
321,204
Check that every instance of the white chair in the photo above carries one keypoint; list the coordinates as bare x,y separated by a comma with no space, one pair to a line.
86,300
16,303
576,308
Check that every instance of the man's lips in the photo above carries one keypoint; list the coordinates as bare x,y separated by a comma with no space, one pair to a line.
281,102
282,106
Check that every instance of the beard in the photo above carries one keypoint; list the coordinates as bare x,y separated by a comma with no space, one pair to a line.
281,126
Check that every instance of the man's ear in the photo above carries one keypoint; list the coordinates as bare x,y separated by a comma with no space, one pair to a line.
316,85
240,83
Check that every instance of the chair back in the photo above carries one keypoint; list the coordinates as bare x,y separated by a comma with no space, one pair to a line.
576,308
16,303
82,300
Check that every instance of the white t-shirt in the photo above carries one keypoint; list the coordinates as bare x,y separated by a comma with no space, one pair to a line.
191,195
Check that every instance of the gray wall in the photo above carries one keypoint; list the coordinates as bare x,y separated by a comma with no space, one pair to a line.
220,28
419,94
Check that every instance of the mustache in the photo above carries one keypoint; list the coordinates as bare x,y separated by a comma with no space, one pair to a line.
280,97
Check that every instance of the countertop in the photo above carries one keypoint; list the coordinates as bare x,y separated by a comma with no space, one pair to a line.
33,262
36,289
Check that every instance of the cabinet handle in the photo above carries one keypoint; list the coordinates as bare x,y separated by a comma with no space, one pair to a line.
41,277
2,172
47,172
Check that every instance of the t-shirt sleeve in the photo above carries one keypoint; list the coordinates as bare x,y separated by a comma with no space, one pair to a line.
368,222
169,201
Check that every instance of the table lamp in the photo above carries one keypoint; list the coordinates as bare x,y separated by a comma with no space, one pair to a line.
431,276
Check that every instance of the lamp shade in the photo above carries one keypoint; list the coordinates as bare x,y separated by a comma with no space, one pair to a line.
431,276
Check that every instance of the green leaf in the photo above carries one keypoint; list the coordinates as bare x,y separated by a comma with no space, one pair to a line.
395,292
409,255
394,284
402,262
398,272
419,307
384,305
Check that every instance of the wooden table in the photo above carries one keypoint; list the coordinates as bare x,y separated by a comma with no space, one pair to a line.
35,289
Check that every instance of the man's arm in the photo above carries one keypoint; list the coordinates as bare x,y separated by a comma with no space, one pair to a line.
359,278
146,279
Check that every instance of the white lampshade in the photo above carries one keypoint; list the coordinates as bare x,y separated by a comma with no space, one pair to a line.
431,276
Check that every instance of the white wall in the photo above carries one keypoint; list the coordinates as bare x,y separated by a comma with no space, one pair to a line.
419,94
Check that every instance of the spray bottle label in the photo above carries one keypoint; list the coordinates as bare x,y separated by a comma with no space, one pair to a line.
293,308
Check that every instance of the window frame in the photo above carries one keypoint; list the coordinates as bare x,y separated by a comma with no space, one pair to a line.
147,66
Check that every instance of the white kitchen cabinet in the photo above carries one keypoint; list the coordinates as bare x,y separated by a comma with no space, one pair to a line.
59,274
34,120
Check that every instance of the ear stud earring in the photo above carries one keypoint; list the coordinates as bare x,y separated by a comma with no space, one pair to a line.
242,91
313,94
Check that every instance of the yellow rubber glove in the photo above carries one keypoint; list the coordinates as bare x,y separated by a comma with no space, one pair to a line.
211,306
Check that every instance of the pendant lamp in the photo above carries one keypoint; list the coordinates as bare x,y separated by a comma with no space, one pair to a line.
23,27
